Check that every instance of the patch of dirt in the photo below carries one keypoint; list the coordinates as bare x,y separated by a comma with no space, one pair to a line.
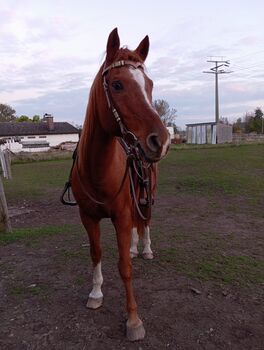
45,283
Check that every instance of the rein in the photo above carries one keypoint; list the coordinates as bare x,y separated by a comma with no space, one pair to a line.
136,168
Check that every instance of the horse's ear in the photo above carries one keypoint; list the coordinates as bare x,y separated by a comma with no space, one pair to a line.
143,48
112,47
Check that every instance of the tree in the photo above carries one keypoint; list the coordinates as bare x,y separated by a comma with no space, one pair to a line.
167,114
23,118
224,120
239,126
36,118
249,122
258,120
7,113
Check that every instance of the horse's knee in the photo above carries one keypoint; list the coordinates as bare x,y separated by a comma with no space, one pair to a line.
125,269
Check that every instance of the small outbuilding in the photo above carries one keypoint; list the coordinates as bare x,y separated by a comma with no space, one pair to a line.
210,133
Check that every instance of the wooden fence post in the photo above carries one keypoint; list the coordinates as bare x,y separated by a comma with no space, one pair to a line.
5,226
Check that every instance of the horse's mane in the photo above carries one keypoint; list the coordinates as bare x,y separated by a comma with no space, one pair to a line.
122,54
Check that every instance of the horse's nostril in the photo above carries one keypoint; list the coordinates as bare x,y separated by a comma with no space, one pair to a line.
153,142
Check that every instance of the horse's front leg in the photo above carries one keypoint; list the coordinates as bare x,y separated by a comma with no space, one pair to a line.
134,326
95,299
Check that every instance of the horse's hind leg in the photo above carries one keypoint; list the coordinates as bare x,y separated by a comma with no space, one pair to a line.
95,299
147,252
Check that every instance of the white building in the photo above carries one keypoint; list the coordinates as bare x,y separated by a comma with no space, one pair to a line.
36,136
171,131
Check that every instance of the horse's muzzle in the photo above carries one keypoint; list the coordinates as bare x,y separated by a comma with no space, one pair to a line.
155,148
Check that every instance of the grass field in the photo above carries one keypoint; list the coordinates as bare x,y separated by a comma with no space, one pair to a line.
234,170
207,236
228,179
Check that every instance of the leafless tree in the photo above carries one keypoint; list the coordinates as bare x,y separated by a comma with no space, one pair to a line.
7,113
167,114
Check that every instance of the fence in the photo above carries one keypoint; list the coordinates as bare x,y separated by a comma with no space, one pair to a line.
5,162
248,138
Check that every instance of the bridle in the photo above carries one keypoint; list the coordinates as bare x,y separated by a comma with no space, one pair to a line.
125,133
139,170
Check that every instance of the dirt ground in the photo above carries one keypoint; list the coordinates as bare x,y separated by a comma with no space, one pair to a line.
45,283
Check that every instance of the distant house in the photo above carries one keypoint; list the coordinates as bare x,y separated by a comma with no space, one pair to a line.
171,131
36,136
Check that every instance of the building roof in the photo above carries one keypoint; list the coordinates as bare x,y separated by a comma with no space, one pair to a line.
35,128
206,123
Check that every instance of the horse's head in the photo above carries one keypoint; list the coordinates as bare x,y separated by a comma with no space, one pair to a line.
129,92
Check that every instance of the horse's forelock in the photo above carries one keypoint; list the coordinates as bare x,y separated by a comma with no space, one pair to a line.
127,55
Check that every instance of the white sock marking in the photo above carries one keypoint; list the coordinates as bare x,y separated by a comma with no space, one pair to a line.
96,292
147,241
134,241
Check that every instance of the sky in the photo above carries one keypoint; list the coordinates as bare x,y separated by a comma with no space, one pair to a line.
50,52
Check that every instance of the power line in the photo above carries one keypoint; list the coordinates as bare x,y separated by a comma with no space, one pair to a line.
238,58
245,68
217,69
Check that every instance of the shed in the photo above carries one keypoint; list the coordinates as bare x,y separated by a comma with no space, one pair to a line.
210,133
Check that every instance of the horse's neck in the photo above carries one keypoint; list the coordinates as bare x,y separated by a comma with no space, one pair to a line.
99,152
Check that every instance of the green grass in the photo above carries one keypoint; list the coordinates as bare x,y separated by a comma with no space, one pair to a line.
41,156
34,233
241,270
226,170
37,180
233,173
21,290
80,254
231,170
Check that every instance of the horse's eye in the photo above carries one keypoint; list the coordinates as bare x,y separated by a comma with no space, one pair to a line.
117,85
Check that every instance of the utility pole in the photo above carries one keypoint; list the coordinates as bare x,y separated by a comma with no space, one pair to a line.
215,70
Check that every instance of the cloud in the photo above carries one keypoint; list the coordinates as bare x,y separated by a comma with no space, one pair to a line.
63,105
49,53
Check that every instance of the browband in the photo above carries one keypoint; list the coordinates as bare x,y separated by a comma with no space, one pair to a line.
122,63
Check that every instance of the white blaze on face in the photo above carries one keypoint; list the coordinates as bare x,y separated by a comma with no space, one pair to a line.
138,76
96,292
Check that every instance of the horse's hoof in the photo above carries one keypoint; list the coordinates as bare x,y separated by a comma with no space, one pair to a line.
148,256
93,303
133,255
135,333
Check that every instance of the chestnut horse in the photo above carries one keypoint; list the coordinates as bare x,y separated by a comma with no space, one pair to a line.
119,118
